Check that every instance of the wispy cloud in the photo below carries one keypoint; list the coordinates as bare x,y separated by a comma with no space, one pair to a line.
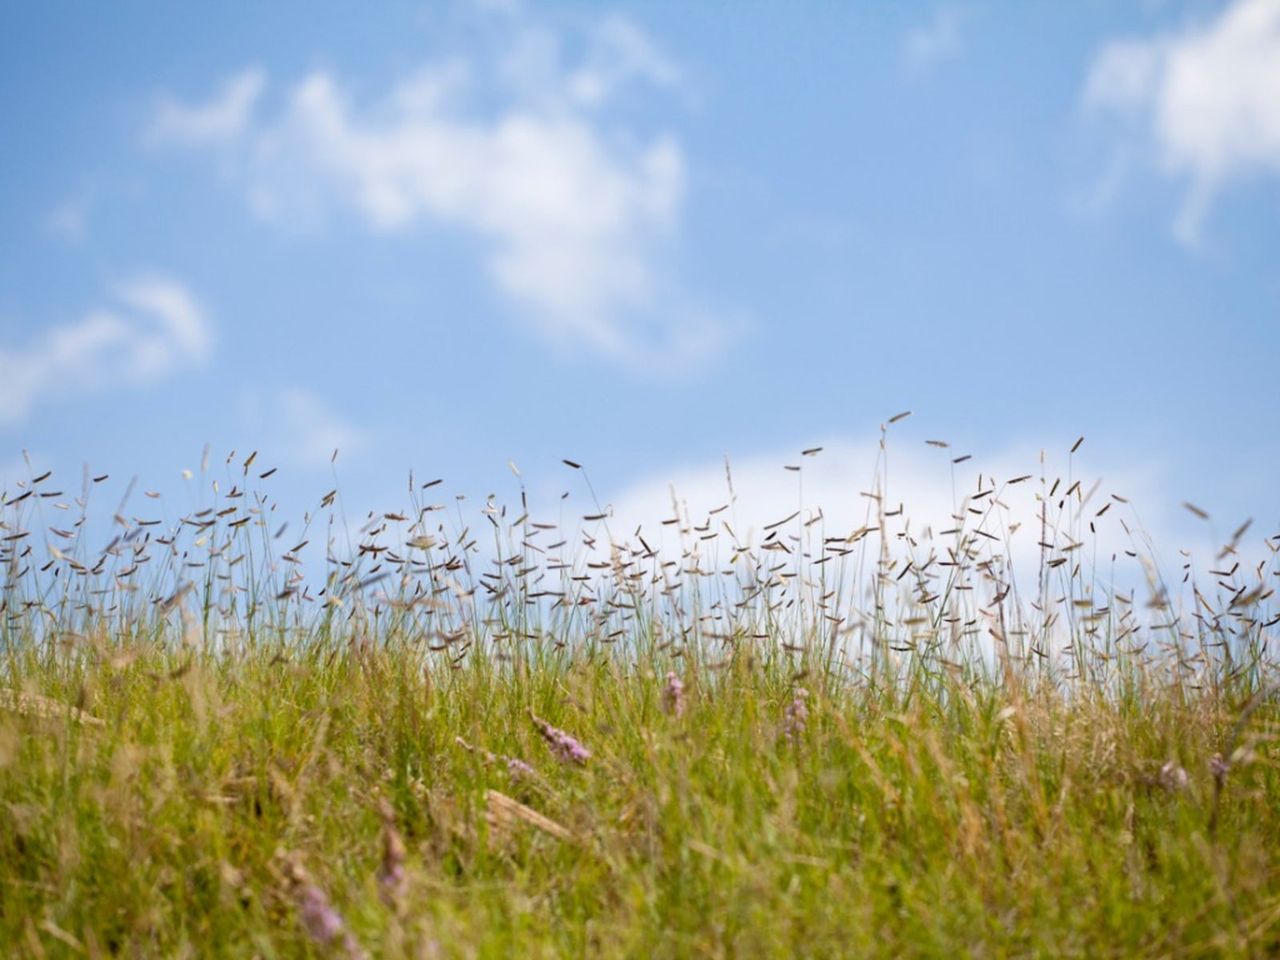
69,221
578,210
153,329
618,54
1207,98
300,427
938,40
219,121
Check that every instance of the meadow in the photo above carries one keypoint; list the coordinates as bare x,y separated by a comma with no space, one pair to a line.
430,733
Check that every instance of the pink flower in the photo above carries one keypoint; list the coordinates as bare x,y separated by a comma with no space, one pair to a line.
391,875
673,695
518,769
1173,777
796,715
566,747
323,923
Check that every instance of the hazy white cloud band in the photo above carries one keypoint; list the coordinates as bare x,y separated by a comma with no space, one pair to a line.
299,426
923,495
153,329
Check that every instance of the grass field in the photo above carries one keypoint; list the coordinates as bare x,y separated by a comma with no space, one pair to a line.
818,744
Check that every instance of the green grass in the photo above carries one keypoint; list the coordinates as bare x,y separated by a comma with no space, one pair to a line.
956,818
213,771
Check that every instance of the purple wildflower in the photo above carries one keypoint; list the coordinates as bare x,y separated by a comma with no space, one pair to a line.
1219,767
673,695
391,880
518,769
323,923
796,715
391,875
1173,777
566,747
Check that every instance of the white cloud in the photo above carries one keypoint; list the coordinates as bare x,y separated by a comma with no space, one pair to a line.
300,427
154,329
220,121
619,53
940,39
578,213
68,221
1208,97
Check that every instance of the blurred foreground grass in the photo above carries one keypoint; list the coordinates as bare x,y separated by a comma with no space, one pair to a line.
333,800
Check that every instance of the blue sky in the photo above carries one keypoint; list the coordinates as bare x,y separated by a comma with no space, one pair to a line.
443,237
